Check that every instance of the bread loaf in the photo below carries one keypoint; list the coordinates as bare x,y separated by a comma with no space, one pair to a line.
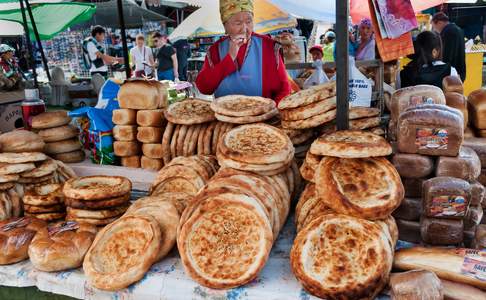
409,231
150,135
21,141
413,165
459,102
477,108
479,146
415,95
153,150
150,118
477,193
126,148
124,116
413,187
473,217
479,241
131,161
151,163
415,285
436,231
452,84
446,197
430,130
142,94
410,209
50,119
465,166
459,291
457,265
125,133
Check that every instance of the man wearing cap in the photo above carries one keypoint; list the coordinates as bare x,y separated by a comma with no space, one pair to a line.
10,77
328,47
243,62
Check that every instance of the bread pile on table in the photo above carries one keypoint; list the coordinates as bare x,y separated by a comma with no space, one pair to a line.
61,138
345,211
477,111
140,123
238,109
61,246
45,202
96,200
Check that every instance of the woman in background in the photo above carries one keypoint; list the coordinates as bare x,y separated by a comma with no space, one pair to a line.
367,43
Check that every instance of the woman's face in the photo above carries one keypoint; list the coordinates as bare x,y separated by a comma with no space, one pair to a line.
365,32
240,24
140,42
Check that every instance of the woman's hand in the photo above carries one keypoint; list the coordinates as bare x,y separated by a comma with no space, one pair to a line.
235,42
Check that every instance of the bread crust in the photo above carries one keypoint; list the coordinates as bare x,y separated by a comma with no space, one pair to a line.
96,187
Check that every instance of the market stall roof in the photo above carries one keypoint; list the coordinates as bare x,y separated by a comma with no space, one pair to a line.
134,14
206,21
50,18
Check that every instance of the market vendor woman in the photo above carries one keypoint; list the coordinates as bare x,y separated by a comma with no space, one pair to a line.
243,62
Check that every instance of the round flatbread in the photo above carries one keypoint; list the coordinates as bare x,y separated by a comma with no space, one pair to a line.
309,110
192,143
97,187
308,96
65,171
9,178
337,256
263,169
358,112
6,169
70,157
200,138
43,209
248,119
36,180
20,158
377,130
188,139
368,188
175,185
311,122
99,204
166,139
182,171
50,119
96,222
45,195
190,112
58,133
48,217
107,265
257,144
215,137
96,214
181,138
351,144
365,123
45,168
208,136
62,146
299,136
242,106
173,142
194,163
6,186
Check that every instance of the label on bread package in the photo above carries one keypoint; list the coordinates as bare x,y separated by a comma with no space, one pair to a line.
431,138
417,100
61,227
474,264
19,223
448,206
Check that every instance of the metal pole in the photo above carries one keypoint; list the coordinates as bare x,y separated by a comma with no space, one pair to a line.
121,19
39,43
342,64
30,54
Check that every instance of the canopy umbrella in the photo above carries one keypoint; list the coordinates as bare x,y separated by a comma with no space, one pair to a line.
52,18
206,21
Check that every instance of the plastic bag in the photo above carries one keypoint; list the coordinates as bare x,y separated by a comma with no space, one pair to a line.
318,77
360,87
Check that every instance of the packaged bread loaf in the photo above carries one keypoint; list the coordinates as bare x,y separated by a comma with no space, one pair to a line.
479,146
413,187
413,165
410,209
150,118
465,166
126,133
473,217
415,285
126,148
142,94
446,197
415,95
460,291
124,116
409,231
430,130
477,108
452,84
435,231
459,102
477,193
479,241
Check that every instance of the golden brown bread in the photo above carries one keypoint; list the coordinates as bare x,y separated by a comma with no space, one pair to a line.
452,84
96,187
124,116
124,149
416,285
62,146
125,133
50,119
149,135
308,96
142,94
242,106
150,118
458,101
70,157
131,161
21,141
189,112
476,103
98,204
152,164
58,133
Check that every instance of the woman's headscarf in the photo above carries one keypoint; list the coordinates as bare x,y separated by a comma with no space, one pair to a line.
228,8
365,23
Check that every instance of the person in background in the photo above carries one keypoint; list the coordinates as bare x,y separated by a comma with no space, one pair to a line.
10,76
165,58
454,51
328,46
142,58
183,51
94,54
116,50
426,66
367,43
316,52
243,62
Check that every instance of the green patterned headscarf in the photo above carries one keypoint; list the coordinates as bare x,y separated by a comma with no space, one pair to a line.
228,8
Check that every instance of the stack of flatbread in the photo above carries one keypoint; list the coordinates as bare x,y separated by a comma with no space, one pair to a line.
45,202
309,108
239,109
360,118
62,139
97,200
123,251
302,140
258,147
227,230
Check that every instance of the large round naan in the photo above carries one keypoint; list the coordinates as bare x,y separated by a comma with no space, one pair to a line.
242,106
190,112
309,96
368,188
97,187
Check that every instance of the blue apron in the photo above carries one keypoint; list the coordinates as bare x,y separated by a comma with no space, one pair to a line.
248,79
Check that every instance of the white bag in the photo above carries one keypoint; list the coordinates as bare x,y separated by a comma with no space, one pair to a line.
360,87
318,77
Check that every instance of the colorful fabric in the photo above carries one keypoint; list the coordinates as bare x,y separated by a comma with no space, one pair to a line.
6,48
217,67
228,8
